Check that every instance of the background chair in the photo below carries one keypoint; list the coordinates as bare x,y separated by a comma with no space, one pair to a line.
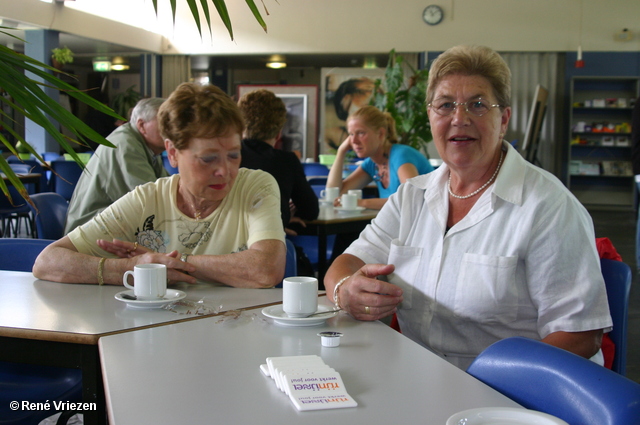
315,169
617,278
19,254
65,177
32,382
554,381
12,214
291,268
50,214
167,164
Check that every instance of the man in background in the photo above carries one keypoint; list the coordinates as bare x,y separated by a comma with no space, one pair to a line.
110,173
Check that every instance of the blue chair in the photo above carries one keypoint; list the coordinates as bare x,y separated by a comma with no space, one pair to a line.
167,164
13,212
50,214
65,177
18,254
617,279
315,169
317,181
32,382
309,244
291,268
554,381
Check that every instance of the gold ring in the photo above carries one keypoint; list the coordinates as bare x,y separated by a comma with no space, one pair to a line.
367,310
135,246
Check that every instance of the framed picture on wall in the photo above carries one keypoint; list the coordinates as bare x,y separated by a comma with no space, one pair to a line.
300,132
343,91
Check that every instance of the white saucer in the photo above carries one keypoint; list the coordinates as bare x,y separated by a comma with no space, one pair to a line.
503,415
342,209
172,295
280,317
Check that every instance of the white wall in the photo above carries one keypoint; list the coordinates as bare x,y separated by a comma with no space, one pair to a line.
347,26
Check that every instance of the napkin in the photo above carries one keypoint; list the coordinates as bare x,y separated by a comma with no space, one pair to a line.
309,382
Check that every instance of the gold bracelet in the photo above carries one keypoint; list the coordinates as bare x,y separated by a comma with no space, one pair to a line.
100,269
336,296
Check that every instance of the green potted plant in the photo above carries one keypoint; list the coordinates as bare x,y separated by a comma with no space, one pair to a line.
403,95
124,101
61,56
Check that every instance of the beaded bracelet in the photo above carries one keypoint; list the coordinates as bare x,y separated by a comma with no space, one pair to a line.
100,270
336,296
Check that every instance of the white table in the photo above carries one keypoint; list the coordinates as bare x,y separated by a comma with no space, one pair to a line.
207,372
59,324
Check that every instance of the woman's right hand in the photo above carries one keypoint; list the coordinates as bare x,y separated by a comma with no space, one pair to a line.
367,298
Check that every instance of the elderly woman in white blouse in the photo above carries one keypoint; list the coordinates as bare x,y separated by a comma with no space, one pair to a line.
486,247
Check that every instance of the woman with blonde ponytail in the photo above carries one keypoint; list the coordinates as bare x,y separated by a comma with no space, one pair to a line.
372,135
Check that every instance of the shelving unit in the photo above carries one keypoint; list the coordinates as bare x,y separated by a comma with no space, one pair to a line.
599,171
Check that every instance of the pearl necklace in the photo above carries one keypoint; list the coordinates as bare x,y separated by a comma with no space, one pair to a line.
495,173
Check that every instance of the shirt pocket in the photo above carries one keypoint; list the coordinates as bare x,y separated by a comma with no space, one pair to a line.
486,290
406,260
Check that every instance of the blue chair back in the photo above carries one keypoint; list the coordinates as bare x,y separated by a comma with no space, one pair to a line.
617,279
167,164
554,381
18,254
50,214
309,244
291,268
65,177
12,214
317,181
315,169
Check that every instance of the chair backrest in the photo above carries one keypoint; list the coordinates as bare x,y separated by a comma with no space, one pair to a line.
291,268
317,180
315,169
19,254
50,214
65,178
554,381
31,166
617,279
167,164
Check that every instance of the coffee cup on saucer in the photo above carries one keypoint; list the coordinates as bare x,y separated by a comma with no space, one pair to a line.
299,296
149,281
329,194
349,201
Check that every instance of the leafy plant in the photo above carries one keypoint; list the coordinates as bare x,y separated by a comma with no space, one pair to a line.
62,55
124,101
26,96
404,98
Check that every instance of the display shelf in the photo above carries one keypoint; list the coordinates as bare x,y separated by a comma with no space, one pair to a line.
599,171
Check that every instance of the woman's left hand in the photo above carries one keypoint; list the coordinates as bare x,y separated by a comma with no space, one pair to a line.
122,249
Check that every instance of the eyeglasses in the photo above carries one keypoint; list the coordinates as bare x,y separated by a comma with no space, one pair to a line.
477,107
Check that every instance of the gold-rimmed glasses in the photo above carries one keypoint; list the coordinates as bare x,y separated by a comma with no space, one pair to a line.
477,107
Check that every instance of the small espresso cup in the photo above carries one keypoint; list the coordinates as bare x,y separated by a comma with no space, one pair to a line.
149,281
299,296
349,202
330,193
357,192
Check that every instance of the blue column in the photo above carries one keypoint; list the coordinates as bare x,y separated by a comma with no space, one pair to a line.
39,44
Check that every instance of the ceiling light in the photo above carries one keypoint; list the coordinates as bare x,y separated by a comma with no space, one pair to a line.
119,64
276,65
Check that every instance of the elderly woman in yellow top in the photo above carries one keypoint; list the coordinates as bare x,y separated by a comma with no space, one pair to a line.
211,222
486,247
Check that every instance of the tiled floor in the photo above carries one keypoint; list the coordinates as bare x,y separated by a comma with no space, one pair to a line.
620,227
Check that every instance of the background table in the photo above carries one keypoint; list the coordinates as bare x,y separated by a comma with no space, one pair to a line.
59,324
330,222
207,371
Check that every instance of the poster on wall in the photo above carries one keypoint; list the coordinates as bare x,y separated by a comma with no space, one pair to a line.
300,132
343,91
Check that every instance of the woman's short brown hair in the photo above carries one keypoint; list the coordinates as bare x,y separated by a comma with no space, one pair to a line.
194,111
374,118
264,114
472,60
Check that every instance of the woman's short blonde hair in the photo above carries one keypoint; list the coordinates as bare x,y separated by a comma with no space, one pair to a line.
374,118
193,111
264,114
472,60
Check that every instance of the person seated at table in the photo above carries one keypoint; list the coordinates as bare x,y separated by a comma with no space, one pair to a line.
486,247
265,114
111,173
214,221
372,135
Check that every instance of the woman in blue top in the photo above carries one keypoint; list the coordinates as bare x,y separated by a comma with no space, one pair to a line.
372,135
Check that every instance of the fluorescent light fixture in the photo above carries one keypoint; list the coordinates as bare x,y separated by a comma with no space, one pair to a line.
119,64
276,65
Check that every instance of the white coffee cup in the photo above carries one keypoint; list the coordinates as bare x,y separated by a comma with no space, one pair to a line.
149,281
349,202
357,192
330,193
299,296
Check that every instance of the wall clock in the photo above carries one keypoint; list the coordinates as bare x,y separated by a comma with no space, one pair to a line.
432,14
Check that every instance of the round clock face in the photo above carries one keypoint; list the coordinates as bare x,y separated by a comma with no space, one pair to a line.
433,14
